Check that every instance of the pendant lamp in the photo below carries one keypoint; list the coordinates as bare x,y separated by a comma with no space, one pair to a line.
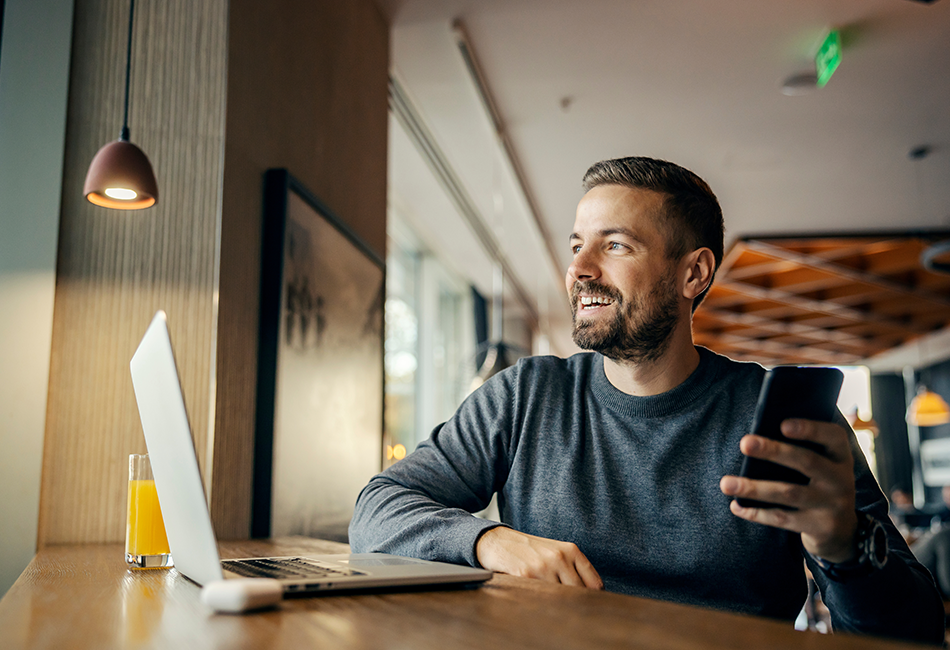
120,176
928,409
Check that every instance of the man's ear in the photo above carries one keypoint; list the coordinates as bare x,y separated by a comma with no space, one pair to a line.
697,269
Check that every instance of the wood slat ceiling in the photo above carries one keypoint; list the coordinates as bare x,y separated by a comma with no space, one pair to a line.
823,299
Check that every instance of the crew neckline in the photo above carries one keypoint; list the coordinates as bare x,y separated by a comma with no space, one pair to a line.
653,406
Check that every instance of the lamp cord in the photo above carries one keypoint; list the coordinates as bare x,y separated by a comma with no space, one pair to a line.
128,67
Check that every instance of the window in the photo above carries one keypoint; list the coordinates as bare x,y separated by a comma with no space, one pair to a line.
430,343
401,353
854,401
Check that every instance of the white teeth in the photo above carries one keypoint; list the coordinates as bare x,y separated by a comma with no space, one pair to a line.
595,300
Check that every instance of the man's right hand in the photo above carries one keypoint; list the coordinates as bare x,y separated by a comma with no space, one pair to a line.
507,551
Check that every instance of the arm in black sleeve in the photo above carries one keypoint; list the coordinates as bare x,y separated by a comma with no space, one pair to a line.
421,506
899,600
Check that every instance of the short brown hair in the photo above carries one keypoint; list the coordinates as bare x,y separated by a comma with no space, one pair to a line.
693,218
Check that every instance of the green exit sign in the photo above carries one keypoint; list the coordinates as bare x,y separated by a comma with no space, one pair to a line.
828,57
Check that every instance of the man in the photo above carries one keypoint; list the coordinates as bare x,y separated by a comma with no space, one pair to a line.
908,519
614,468
932,548
933,551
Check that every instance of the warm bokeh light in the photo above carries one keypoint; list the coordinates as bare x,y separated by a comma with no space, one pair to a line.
116,204
120,193
399,452
928,409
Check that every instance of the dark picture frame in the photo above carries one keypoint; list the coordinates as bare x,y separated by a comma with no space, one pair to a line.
319,418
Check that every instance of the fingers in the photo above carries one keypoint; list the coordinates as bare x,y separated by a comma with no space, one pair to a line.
785,494
509,551
768,516
826,523
830,483
832,438
829,435
554,561
778,517
588,574
823,509
826,532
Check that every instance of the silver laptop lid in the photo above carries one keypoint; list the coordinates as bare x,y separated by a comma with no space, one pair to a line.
172,454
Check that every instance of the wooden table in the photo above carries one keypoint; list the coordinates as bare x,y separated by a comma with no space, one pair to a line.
82,596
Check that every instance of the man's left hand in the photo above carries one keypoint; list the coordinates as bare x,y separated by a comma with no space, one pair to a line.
825,514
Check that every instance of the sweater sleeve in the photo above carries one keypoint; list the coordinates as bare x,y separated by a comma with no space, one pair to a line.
899,600
421,506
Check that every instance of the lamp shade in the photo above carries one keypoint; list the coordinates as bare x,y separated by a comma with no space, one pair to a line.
121,177
928,409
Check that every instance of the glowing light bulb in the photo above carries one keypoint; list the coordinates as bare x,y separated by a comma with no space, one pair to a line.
120,193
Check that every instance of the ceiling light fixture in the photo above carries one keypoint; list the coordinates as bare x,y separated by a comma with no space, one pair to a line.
936,257
120,175
474,69
928,409
800,84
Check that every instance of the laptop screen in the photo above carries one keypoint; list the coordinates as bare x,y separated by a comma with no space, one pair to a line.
172,453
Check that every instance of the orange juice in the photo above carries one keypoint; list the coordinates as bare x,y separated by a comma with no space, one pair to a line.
145,531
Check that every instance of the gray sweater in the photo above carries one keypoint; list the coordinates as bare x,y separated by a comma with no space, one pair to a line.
634,482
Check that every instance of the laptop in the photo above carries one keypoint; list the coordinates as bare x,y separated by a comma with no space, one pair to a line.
185,510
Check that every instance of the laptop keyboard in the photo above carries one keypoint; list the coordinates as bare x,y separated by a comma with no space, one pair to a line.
284,568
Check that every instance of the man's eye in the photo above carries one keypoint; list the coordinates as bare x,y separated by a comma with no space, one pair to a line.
576,249
615,246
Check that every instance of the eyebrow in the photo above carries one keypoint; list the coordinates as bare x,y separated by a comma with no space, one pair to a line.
607,232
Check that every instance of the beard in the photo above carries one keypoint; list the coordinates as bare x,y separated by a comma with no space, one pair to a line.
641,328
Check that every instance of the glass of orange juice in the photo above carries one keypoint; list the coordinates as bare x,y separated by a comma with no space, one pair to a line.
146,546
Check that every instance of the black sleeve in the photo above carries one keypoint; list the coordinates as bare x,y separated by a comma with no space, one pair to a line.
899,600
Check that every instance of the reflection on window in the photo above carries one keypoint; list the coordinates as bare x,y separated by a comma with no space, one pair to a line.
401,335
401,353
430,344
453,341
854,401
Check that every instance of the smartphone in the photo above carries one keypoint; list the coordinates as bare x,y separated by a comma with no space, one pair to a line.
787,392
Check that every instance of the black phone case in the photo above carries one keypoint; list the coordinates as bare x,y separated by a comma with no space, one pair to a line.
789,392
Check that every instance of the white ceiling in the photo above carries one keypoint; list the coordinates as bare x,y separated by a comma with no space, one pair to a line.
692,81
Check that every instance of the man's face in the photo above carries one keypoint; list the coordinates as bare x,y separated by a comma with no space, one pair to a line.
901,499
623,289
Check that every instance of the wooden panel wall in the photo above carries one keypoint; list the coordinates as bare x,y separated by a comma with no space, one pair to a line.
115,269
303,84
307,90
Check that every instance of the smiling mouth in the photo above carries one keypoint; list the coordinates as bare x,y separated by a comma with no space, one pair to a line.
588,303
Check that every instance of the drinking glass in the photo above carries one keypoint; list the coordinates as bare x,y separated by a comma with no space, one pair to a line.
146,545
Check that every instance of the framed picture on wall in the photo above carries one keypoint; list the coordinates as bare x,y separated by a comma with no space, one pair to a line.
318,434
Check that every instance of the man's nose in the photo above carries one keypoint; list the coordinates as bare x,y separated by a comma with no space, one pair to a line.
584,266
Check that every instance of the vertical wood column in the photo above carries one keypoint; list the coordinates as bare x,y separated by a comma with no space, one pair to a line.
307,90
299,84
116,268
